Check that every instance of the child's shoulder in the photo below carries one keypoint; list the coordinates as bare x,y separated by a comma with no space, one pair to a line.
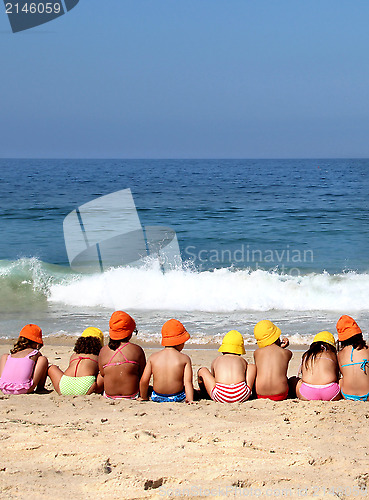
288,353
158,354
104,352
4,356
185,356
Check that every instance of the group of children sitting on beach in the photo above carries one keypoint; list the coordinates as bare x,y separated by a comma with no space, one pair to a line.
119,370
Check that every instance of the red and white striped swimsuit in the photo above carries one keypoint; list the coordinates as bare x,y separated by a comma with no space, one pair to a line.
231,393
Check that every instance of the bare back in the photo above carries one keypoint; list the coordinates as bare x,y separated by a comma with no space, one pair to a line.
122,369
168,368
271,370
229,369
322,370
354,379
82,365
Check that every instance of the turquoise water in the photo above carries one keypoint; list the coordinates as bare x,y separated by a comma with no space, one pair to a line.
283,239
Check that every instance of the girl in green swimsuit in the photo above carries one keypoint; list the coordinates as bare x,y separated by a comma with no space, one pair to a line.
82,375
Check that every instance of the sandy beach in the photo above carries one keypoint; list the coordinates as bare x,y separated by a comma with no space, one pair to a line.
89,447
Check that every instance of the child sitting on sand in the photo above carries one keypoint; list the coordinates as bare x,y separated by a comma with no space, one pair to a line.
271,360
81,377
171,369
231,378
353,360
319,370
121,362
24,369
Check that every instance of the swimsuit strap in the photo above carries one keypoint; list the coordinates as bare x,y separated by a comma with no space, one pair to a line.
33,353
362,363
325,357
109,363
116,352
79,360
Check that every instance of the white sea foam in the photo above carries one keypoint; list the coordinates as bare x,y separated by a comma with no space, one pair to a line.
220,290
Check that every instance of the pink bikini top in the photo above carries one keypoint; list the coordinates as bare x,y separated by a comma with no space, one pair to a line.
79,360
120,362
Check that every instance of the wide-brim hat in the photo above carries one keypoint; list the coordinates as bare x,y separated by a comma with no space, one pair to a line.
347,328
32,332
92,331
326,337
233,343
266,333
173,333
121,325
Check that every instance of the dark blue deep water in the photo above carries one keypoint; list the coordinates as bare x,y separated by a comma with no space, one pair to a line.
310,214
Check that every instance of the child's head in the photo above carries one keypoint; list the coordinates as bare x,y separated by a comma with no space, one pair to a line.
90,342
121,327
232,343
266,333
323,341
349,333
30,337
174,334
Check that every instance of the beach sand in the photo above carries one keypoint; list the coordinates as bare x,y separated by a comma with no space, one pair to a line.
89,447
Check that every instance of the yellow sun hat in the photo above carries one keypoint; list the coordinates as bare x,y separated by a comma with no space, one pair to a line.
324,337
233,343
266,333
91,331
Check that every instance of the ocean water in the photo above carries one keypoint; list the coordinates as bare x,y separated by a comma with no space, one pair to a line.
285,240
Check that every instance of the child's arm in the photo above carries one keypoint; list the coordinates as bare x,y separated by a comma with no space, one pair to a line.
145,380
3,359
187,380
212,367
142,364
101,368
250,375
99,383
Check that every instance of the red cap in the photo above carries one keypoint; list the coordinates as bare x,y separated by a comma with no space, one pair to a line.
173,333
121,325
32,332
347,328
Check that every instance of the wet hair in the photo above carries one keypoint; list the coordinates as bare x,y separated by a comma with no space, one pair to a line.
87,345
316,348
114,344
356,341
23,343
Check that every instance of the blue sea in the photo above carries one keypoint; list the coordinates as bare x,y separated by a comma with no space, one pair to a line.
286,240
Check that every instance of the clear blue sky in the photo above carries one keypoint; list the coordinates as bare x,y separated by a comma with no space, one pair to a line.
189,79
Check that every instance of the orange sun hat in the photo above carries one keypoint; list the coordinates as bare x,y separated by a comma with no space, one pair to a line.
32,332
173,333
121,325
347,328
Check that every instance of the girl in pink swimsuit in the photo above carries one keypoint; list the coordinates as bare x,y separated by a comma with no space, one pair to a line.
121,362
319,369
24,369
82,375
